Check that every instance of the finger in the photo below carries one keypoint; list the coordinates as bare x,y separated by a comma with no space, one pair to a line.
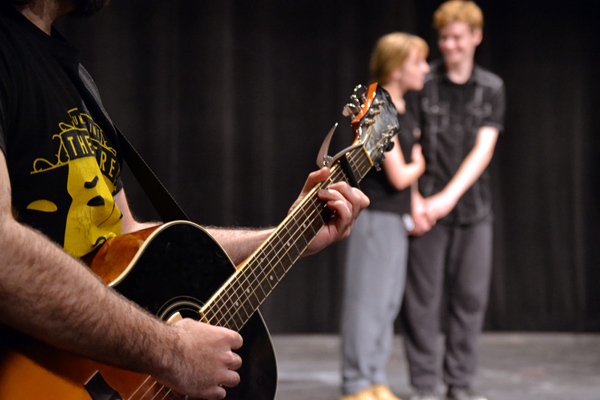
236,341
330,194
337,199
364,200
343,211
232,379
214,393
343,188
315,178
235,362
356,197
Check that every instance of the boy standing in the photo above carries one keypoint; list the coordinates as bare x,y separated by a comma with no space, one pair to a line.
461,112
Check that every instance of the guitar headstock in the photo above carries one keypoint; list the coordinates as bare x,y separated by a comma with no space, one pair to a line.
375,120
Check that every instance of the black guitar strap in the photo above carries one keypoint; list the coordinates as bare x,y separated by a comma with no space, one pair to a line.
164,204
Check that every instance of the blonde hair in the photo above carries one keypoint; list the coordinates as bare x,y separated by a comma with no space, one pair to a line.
458,11
391,51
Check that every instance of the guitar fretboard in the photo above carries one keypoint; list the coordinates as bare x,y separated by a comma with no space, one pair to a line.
235,303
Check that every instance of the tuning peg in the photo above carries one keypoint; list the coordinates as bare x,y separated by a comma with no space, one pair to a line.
373,112
359,91
350,109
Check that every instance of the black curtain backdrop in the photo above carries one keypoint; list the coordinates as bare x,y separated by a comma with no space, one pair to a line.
229,102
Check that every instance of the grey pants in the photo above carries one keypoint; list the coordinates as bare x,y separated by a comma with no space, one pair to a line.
374,283
457,259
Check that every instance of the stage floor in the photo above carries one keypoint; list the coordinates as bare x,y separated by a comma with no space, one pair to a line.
512,366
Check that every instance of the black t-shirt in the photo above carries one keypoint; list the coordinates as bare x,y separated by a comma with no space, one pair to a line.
60,146
450,117
383,196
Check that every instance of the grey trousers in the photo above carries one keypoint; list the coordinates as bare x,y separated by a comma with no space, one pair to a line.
457,259
373,286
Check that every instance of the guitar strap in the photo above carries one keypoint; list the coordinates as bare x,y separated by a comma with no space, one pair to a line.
164,204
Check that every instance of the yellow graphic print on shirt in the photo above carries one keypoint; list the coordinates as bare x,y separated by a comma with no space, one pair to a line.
93,170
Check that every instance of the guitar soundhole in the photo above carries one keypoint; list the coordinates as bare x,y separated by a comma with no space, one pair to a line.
187,307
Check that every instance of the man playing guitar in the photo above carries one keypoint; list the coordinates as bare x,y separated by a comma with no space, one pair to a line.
45,291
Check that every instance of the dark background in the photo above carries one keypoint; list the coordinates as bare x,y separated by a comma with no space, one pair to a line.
229,101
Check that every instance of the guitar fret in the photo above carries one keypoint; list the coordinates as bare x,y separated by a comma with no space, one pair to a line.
364,162
293,252
236,324
237,304
225,316
253,300
244,303
278,271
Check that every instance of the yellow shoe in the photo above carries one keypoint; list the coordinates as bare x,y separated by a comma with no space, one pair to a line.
383,392
365,394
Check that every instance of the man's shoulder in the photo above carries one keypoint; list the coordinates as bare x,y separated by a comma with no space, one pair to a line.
487,78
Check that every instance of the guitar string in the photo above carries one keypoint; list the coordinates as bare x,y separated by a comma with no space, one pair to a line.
264,275
245,277
148,377
233,312
147,390
224,312
157,391
170,394
270,256
165,391
293,235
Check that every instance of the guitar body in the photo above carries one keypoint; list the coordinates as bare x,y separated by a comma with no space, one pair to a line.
175,268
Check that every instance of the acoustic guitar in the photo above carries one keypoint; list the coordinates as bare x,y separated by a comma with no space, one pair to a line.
178,270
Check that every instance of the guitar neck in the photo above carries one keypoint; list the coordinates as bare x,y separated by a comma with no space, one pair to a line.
245,291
